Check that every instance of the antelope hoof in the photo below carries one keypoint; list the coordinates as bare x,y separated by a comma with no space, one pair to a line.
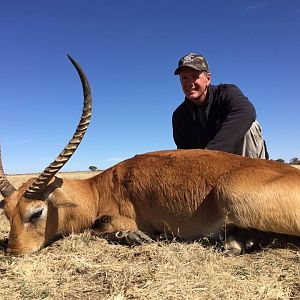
232,252
132,238
233,248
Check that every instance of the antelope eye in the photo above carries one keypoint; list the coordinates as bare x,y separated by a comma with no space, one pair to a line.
35,216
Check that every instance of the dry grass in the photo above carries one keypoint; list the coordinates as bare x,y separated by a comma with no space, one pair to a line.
87,267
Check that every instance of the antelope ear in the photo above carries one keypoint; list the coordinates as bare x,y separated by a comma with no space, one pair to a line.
8,204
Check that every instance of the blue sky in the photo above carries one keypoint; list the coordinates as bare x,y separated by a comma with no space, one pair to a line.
129,50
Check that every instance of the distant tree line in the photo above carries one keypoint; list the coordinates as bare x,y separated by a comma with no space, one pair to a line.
93,168
293,161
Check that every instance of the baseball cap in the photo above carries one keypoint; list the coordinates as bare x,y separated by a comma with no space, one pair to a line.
194,61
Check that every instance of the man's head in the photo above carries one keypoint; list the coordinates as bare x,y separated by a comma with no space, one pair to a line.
194,76
194,61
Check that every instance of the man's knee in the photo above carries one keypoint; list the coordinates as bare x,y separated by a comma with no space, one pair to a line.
253,144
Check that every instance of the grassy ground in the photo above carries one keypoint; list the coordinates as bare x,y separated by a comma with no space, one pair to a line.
87,267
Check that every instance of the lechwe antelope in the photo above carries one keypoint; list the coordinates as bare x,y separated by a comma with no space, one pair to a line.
190,193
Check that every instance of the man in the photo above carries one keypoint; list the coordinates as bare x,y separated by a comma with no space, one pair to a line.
214,117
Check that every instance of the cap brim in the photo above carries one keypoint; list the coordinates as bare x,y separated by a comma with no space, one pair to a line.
177,71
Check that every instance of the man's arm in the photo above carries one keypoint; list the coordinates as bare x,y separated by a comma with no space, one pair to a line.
178,139
241,114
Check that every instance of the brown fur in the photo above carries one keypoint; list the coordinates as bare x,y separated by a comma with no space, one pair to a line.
190,193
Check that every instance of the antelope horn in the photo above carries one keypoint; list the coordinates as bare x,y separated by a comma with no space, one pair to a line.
35,191
6,189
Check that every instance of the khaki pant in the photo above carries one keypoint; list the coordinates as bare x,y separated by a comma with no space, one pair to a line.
253,144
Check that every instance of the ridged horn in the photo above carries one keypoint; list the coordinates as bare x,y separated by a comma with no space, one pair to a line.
35,191
6,188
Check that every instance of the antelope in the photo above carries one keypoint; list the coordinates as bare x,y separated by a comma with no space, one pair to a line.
189,193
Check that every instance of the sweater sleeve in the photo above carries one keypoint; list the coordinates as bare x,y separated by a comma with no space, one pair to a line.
178,138
240,115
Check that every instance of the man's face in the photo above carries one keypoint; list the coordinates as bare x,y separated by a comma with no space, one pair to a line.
194,84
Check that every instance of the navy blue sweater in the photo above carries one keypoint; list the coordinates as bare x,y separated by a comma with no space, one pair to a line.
229,114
